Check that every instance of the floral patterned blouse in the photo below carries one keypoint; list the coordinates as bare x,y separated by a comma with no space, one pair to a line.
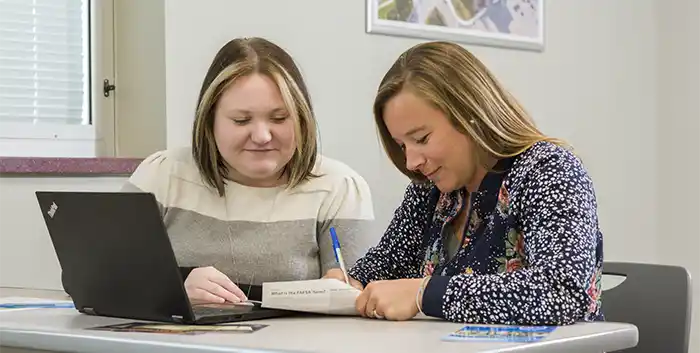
532,252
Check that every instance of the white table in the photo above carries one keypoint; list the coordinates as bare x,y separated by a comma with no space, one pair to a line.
64,330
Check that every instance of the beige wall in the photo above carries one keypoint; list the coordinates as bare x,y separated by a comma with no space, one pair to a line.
140,77
590,85
678,124
27,258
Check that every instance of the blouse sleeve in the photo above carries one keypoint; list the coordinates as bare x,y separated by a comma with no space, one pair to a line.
560,227
398,253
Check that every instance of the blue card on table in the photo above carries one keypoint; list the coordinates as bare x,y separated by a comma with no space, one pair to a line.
500,333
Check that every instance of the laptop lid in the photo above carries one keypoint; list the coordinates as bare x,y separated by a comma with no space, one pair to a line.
115,255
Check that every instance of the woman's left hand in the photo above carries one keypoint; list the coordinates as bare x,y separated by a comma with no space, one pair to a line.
391,300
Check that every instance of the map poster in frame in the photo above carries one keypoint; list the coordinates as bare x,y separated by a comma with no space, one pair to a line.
517,24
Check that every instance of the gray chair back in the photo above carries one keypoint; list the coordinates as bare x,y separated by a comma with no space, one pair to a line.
655,298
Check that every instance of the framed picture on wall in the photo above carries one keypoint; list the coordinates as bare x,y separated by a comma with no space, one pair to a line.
515,24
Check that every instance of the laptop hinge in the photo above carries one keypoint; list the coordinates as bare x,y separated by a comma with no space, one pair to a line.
177,318
89,311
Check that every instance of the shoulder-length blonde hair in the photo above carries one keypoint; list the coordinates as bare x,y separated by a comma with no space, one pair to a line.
237,59
454,81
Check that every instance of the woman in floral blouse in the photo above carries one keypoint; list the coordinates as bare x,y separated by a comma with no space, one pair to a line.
499,224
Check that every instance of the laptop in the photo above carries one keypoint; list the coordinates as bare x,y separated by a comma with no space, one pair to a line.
117,260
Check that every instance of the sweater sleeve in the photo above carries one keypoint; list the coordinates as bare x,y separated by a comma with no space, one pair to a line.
153,176
559,224
351,212
399,252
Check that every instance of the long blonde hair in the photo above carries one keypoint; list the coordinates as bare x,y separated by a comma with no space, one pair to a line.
237,59
457,83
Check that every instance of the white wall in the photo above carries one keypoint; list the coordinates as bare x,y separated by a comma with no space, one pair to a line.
590,86
27,258
140,77
678,229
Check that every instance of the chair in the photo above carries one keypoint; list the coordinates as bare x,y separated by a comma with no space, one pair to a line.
655,298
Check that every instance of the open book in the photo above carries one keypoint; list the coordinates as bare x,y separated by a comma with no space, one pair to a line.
321,296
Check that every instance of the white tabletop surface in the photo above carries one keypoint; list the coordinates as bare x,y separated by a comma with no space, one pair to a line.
65,330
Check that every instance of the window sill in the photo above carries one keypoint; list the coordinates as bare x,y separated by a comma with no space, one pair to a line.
49,166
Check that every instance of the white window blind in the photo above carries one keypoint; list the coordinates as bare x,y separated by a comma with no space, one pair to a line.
44,63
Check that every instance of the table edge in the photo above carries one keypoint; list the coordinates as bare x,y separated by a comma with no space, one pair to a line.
620,338
66,342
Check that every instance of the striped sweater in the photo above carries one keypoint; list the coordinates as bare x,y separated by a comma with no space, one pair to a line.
253,234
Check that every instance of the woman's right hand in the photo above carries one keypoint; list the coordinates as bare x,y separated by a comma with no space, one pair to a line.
337,273
205,285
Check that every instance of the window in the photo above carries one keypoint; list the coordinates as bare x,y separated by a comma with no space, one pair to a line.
54,57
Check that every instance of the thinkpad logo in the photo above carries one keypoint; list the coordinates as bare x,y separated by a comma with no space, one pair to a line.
52,209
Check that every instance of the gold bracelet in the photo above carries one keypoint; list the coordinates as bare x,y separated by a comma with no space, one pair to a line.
419,295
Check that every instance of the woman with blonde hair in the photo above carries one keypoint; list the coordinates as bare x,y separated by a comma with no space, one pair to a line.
252,200
499,224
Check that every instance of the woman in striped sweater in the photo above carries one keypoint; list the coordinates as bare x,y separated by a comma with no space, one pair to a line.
252,200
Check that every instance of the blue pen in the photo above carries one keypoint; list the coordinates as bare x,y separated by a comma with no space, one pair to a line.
36,305
338,255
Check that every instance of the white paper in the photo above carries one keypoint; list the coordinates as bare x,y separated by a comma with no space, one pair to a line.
321,296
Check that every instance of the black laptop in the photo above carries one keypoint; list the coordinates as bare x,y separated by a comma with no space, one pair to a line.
117,260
